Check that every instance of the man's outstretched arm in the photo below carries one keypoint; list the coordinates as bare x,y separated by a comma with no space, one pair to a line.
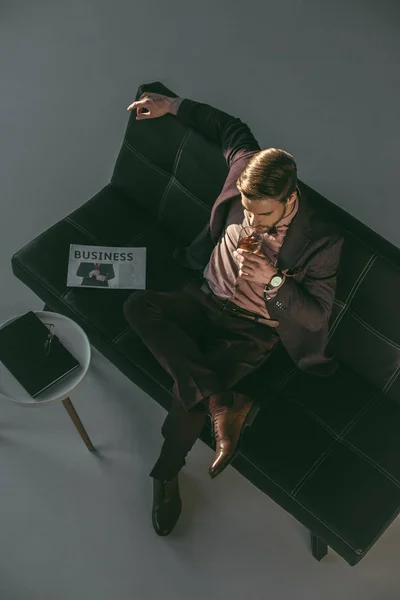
230,133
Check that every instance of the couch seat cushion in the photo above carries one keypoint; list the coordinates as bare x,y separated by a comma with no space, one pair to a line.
326,449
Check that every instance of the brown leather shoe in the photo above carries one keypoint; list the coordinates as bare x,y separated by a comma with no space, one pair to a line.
167,505
228,424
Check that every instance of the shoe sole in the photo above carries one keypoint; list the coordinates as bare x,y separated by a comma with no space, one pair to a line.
249,420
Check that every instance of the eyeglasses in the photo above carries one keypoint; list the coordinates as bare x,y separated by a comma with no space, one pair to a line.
47,344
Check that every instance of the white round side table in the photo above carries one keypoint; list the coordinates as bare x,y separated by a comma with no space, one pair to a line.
76,341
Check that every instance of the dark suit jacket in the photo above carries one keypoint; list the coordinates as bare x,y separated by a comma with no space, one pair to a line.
105,269
311,248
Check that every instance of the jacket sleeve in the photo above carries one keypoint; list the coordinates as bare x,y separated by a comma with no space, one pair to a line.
84,269
310,302
230,133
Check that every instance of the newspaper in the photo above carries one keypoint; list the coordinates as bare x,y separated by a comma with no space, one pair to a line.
107,267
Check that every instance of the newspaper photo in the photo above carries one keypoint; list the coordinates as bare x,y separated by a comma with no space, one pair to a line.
107,267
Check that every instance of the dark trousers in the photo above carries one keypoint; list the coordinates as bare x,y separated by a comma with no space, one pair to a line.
205,350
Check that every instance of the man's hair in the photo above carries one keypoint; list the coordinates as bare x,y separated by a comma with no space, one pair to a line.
270,173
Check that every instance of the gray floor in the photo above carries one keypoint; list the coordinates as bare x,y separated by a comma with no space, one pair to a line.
75,526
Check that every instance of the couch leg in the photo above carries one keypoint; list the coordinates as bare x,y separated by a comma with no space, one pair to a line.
318,547
78,423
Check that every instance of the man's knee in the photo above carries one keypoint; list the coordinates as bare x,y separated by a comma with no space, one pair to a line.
136,304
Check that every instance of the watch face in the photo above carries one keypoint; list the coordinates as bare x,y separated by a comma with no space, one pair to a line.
276,280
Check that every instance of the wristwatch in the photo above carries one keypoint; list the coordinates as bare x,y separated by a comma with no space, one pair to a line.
276,281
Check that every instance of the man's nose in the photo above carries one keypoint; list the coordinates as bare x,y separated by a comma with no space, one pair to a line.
254,222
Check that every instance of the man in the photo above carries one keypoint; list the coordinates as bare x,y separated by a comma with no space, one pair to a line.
210,335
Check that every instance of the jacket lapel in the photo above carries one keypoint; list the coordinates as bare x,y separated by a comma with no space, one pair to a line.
218,218
297,238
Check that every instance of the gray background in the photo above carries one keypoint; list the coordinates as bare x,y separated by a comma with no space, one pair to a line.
319,79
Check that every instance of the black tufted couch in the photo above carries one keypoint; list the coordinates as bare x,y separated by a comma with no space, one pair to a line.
326,449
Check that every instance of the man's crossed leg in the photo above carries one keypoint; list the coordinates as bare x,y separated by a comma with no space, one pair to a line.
206,351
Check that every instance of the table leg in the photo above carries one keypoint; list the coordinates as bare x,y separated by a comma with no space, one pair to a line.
78,423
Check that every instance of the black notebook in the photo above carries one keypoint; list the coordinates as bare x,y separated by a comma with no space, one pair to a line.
31,357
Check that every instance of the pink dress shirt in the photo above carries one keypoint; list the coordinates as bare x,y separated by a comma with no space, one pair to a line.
222,269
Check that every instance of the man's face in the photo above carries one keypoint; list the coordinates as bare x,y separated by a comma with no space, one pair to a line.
264,214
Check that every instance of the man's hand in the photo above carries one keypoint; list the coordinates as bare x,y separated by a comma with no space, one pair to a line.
254,267
100,277
94,273
157,105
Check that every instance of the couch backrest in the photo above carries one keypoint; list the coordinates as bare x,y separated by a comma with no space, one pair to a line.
365,321
176,174
170,170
